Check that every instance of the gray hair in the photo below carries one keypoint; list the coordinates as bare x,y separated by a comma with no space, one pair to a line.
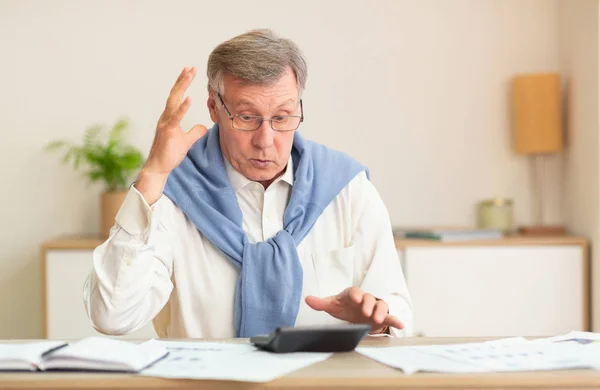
257,57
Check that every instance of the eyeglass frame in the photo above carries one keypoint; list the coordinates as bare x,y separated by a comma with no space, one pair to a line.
263,118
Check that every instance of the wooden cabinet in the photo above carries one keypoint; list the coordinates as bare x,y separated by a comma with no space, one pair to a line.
66,264
510,287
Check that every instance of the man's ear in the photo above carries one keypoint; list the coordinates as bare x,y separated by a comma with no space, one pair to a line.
212,106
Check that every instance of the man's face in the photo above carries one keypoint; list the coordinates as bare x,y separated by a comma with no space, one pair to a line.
263,154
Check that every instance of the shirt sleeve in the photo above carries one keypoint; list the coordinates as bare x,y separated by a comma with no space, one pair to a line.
378,268
130,281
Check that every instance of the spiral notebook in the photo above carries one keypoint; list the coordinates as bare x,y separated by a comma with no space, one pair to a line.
89,354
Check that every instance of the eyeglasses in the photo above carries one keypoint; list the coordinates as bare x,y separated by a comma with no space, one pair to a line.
246,122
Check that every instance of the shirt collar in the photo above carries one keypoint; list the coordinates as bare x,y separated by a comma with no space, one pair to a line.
239,181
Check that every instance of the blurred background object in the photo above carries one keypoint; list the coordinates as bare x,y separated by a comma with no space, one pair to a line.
496,213
112,162
537,133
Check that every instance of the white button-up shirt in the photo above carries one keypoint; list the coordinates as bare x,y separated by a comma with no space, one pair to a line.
156,265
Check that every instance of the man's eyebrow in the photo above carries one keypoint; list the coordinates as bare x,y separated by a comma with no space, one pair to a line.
243,102
286,102
248,103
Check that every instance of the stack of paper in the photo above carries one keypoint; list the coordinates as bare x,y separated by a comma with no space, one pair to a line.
221,361
515,354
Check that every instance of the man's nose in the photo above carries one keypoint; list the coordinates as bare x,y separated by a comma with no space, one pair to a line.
263,137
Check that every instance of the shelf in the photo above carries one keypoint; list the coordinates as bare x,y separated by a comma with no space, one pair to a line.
507,241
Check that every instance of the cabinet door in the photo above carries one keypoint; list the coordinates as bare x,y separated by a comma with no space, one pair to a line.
496,291
66,271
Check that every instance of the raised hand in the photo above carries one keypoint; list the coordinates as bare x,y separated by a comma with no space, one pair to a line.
171,143
356,306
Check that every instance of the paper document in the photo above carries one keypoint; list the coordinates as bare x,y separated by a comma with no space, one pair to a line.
499,356
411,360
574,336
223,361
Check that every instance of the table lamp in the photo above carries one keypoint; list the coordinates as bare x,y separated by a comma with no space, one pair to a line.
537,133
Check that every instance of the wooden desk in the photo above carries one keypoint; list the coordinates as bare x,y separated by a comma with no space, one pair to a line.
342,371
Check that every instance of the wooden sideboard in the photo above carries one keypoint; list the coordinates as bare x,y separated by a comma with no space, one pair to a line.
516,286
511,287
66,263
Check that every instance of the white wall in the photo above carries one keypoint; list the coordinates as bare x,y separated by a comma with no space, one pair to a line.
417,90
579,52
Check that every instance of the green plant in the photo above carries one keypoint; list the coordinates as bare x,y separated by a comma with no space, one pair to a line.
113,161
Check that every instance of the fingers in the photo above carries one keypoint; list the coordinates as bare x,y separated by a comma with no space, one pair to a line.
169,108
317,303
181,75
178,115
355,306
176,95
392,321
183,72
196,133
380,312
368,304
356,295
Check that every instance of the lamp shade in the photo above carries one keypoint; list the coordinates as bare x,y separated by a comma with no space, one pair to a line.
537,116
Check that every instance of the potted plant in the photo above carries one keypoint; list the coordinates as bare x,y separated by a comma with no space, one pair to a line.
111,161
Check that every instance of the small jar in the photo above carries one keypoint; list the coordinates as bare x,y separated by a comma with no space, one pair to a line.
495,213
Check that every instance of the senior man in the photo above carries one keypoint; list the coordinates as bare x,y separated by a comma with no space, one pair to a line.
246,227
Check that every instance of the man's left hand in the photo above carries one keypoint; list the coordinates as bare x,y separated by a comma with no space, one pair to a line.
355,306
